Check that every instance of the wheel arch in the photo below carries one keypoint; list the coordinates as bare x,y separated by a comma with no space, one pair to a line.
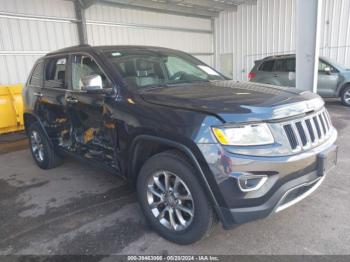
30,118
341,88
165,144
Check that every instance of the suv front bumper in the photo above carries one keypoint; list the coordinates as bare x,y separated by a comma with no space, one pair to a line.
290,179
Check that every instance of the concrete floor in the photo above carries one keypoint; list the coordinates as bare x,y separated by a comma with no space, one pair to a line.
75,209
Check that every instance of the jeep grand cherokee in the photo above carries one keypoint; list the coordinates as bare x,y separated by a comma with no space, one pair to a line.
196,145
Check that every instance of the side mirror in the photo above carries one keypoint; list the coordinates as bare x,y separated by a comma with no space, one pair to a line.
328,70
92,84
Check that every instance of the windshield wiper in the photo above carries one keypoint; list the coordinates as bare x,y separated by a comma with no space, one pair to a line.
169,84
186,82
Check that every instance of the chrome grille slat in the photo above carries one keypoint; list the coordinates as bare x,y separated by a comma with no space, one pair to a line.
307,134
301,133
314,130
297,136
291,136
318,127
309,131
329,118
326,120
322,124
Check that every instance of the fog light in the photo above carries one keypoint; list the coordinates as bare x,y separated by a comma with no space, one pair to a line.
249,182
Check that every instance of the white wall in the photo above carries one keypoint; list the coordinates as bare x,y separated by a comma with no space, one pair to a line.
111,25
31,28
28,30
268,28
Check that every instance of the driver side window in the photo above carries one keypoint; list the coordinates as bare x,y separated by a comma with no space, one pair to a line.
322,67
82,66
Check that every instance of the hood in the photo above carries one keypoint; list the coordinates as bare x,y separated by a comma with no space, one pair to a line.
235,101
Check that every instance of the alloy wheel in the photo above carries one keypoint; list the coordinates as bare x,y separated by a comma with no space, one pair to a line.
37,146
347,97
170,200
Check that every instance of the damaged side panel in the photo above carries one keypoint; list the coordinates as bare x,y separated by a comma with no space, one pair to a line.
77,121
79,129
92,133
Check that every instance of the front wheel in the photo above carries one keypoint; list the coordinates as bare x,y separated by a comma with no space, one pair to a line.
173,200
345,96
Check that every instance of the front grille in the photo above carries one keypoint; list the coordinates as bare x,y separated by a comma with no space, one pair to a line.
309,131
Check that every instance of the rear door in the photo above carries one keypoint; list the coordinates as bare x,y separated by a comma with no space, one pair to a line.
51,105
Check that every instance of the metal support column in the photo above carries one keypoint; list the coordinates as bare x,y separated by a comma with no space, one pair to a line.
80,15
214,36
308,14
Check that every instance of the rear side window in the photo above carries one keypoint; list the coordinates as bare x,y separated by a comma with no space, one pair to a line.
284,65
37,75
267,66
290,65
55,72
280,65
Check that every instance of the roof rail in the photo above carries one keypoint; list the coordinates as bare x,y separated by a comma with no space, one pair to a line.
277,56
68,48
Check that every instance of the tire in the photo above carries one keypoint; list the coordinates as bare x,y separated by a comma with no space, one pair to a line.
38,142
197,226
345,96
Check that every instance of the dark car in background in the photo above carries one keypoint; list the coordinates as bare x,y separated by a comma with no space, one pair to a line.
196,146
333,79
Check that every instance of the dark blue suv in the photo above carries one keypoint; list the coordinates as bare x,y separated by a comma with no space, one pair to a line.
196,146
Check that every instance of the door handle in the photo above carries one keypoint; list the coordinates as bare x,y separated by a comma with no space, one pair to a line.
275,75
72,100
38,94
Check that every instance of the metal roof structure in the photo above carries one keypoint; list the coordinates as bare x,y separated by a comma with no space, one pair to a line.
202,8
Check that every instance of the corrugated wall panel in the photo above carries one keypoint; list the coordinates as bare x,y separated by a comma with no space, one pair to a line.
110,25
115,35
268,28
28,30
115,14
15,68
335,37
56,8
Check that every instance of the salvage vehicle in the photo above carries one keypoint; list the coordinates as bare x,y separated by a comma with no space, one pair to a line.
333,79
197,146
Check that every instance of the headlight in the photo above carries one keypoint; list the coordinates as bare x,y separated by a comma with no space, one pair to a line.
245,135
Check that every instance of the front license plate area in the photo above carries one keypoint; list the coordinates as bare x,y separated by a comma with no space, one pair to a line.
327,160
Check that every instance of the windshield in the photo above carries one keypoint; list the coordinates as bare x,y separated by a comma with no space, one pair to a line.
146,68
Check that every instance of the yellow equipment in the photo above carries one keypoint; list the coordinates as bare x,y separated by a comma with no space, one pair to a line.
11,108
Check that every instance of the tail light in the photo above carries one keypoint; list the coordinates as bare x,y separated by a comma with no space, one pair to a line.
251,75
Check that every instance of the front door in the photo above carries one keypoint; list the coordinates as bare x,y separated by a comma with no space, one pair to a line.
328,78
93,130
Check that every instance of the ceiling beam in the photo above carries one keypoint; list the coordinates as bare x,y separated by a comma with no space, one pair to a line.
168,7
211,4
247,2
86,3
